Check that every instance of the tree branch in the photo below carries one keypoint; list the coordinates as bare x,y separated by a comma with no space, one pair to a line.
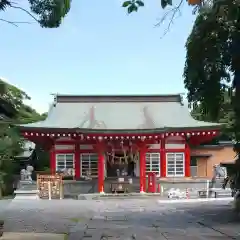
26,11
172,12
9,22
15,24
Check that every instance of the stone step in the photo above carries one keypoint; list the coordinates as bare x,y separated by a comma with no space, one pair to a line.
29,187
26,194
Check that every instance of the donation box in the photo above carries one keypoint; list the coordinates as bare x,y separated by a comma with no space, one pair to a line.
152,182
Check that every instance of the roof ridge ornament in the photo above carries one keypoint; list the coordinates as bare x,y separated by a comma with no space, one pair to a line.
181,98
91,121
54,99
147,118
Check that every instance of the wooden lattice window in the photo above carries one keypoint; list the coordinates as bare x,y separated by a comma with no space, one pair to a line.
153,163
89,165
65,163
175,164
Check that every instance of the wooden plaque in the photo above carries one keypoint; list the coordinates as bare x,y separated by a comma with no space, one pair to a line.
54,182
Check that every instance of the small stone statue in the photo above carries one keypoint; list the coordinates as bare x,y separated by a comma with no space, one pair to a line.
23,174
218,173
26,174
29,172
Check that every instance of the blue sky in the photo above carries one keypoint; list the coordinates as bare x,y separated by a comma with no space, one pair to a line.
99,49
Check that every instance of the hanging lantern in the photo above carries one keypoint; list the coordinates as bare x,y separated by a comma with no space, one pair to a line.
194,2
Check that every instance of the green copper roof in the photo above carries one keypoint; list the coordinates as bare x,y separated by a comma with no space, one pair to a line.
120,114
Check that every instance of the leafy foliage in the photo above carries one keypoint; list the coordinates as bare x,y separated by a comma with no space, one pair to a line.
10,141
206,73
10,146
14,98
165,3
209,70
12,95
212,68
4,4
133,5
49,13
225,116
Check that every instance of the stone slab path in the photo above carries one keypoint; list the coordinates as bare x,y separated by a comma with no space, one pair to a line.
123,219
32,236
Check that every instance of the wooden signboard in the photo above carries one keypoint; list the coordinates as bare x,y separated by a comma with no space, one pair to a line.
50,186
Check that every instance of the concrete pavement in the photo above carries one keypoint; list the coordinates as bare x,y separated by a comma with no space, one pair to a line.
123,219
32,236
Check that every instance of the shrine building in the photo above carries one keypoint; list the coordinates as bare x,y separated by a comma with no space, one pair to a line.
99,137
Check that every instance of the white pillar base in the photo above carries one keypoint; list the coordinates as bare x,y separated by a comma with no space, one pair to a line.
142,192
102,192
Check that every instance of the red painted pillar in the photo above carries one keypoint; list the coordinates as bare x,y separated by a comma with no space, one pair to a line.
163,161
52,159
187,161
142,161
101,159
77,160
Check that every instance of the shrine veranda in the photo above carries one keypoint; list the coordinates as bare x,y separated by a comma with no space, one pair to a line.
91,137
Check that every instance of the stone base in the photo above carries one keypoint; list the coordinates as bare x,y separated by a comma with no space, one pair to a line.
220,193
26,194
23,182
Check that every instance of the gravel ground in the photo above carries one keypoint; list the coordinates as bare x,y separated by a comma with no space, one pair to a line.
122,219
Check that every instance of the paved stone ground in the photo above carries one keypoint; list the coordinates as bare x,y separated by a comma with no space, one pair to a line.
31,236
123,219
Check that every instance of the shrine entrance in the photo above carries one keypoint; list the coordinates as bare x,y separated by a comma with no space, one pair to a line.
121,163
120,171
116,165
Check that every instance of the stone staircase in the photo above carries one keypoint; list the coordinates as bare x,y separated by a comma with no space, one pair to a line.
26,190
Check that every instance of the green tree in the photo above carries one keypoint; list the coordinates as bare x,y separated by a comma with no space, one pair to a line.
212,66
48,13
225,116
15,111
10,146
14,99
210,69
